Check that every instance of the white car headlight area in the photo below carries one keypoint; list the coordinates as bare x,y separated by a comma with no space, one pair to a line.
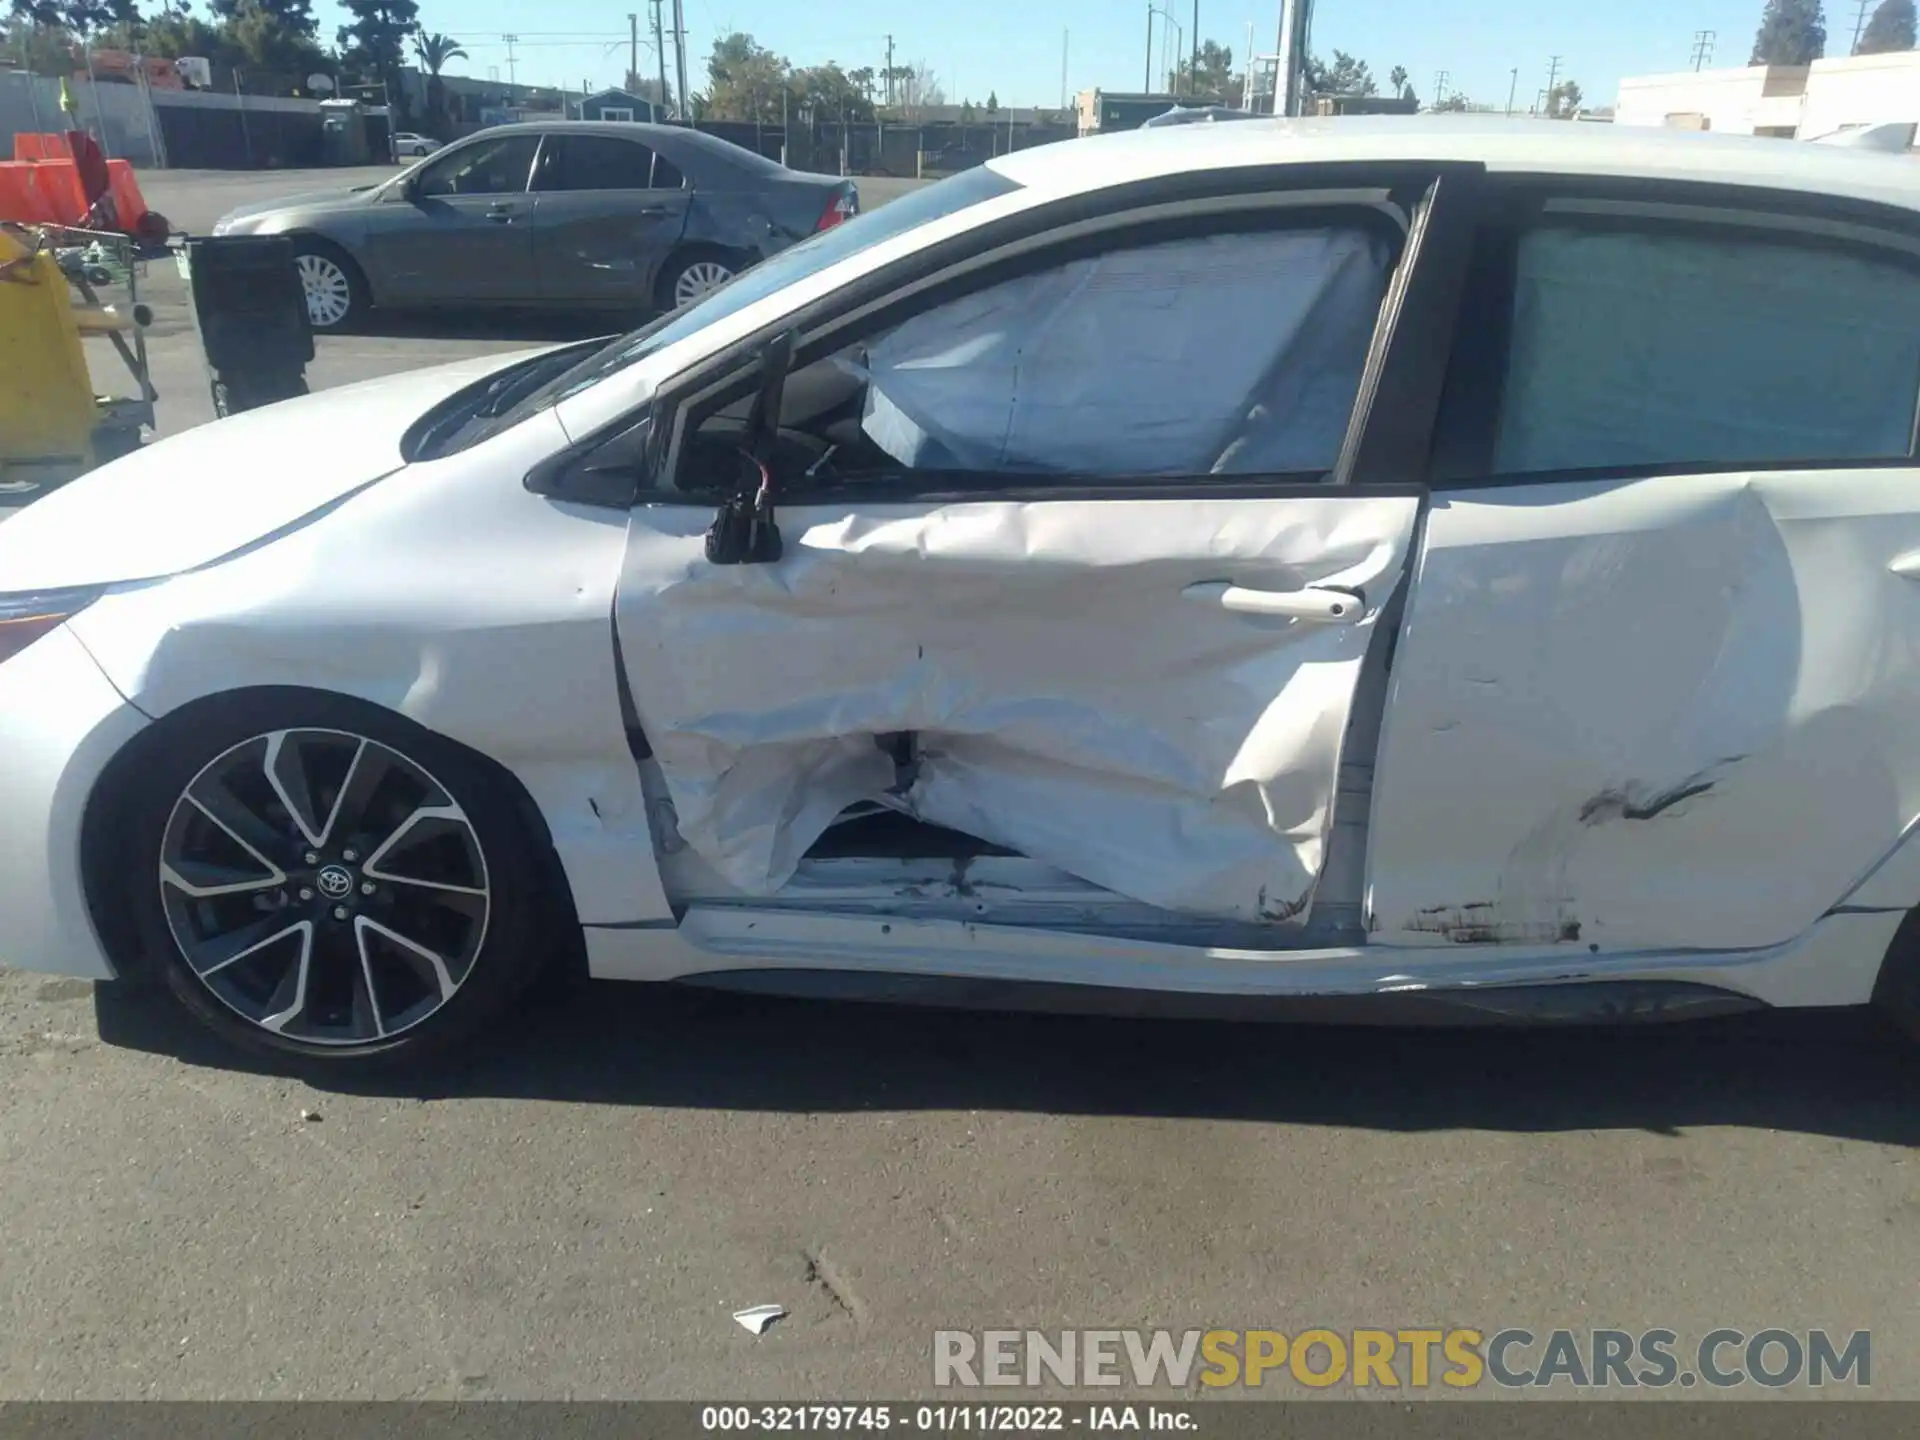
61,722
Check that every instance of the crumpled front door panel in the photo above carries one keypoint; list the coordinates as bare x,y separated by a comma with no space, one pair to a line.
1069,699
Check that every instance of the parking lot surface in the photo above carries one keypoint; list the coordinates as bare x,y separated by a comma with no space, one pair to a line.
577,1211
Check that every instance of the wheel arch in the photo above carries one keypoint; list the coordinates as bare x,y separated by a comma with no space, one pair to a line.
105,837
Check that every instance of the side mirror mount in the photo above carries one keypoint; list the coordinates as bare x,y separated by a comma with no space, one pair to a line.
745,530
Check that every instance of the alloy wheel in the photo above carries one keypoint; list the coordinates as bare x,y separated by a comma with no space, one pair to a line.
328,290
324,887
697,280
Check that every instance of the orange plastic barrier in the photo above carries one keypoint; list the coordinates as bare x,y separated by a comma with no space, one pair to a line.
129,204
24,195
41,147
49,192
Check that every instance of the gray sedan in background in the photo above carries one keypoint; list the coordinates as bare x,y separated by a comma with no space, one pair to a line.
568,214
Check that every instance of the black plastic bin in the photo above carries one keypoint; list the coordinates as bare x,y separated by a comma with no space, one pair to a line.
251,311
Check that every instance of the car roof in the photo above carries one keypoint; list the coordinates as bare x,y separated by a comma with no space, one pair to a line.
1543,147
683,137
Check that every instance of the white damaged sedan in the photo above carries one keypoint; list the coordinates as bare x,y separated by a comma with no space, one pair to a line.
1400,569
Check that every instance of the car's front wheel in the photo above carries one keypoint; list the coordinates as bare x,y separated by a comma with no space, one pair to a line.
335,292
317,878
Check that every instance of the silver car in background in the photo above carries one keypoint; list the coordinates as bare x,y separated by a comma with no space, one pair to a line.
565,214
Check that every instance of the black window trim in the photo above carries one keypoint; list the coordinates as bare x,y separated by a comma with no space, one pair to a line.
1199,199
1468,425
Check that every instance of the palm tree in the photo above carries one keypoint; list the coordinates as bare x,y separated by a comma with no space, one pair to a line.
1397,78
435,51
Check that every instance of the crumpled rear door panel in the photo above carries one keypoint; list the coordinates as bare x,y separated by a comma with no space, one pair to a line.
1067,697
1664,713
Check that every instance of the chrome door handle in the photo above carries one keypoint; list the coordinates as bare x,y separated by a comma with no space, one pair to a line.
1326,607
502,214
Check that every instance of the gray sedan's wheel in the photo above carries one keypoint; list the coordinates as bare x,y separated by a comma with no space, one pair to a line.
333,886
334,291
693,279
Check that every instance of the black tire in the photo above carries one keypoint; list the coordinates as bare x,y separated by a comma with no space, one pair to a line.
308,249
677,268
519,904
1896,991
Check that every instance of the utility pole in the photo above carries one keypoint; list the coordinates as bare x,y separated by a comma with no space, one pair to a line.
1440,78
1513,84
889,72
660,54
680,60
1193,60
1703,42
512,40
1065,36
1553,81
1146,85
633,42
1289,79
1859,25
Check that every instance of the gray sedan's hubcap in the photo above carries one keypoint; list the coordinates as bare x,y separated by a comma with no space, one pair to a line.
329,294
697,280
324,887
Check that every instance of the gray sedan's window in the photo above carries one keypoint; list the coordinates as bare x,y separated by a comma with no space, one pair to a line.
488,167
594,162
829,247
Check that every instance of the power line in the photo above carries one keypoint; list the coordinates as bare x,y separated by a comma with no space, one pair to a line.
1859,23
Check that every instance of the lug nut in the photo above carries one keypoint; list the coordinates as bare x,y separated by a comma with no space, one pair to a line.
305,893
311,858
350,856
366,887
339,912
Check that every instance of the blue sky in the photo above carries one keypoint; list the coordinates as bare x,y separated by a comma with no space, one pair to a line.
1014,46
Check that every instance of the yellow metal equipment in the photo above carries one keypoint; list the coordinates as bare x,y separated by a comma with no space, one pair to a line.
47,409
53,425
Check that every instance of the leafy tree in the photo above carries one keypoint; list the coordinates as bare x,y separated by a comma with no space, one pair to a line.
967,115
1890,28
39,49
831,92
1398,79
1214,75
1456,102
1563,100
433,52
1792,32
993,102
1346,76
863,80
80,17
374,43
745,80
916,87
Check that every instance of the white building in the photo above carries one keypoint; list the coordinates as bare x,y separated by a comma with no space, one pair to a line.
1793,101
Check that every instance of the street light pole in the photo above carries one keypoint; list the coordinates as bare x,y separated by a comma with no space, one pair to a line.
1146,85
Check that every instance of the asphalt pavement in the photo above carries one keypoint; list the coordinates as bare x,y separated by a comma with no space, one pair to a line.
577,1211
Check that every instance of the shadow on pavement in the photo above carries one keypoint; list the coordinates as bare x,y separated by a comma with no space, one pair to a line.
1838,1073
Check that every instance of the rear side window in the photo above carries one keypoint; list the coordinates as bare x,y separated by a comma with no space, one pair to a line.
1657,345
597,162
